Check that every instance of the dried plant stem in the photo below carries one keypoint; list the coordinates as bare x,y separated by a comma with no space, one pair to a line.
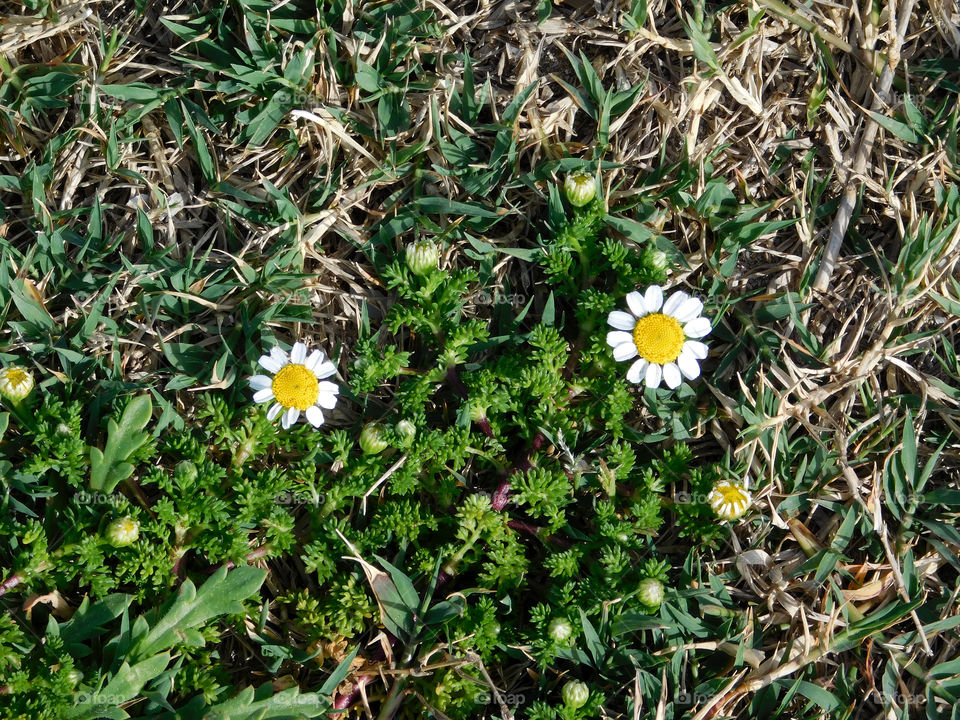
785,11
845,211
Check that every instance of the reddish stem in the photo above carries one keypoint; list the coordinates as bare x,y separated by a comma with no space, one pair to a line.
454,381
255,555
524,527
502,494
10,583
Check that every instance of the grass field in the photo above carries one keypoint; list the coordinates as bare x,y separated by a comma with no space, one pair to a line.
320,335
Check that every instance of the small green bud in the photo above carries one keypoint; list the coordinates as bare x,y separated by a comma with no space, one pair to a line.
659,260
406,431
422,257
123,531
650,594
560,629
575,693
187,469
74,676
477,413
372,440
580,188
15,383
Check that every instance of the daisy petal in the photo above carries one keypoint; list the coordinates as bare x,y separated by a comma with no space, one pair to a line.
653,298
624,352
636,371
262,396
635,303
274,411
688,365
259,382
280,355
325,369
671,375
698,349
290,417
618,337
299,353
270,364
328,387
697,328
314,416
653,374
314,359
326,400
621,320
688,310
673,302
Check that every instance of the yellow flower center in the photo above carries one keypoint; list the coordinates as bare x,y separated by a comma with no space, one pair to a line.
295,387
659,338
581,180
15,376
731,493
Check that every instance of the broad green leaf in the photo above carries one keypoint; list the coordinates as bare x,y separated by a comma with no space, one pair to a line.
901,130
222,594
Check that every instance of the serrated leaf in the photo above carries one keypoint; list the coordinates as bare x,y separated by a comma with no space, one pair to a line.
110,466
222,594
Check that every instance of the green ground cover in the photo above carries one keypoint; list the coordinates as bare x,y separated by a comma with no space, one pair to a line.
479,360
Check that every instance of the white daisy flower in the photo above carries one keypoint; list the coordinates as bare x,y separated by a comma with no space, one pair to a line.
729,499
663,334
297,385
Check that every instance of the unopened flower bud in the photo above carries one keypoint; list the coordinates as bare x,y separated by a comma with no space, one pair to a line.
580,188
406,431
123,531
575,693
188,469
422,257
372,440
650,594
659,260
15,383
560,629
